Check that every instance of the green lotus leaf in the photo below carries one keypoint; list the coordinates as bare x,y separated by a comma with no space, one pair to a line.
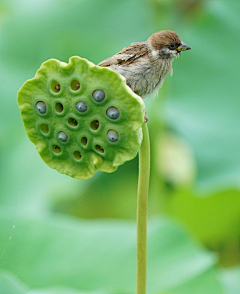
81,117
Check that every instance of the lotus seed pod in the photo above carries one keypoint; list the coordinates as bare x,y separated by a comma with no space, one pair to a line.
81,117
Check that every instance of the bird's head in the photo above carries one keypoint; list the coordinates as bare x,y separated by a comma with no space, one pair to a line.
166,44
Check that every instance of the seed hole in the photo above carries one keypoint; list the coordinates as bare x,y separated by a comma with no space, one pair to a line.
84,141
98,95
94,125
56,149
75,85
112,136
59,107
77,155
113,112
41,107
99,149
62,136
44,129
55,87
72,122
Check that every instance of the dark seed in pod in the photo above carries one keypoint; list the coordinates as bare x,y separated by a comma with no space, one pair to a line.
75,85
72,122
62,136
112,136
56,149
41,107
98,95
77,155
113,112
57,87
99,149
94,125
81,106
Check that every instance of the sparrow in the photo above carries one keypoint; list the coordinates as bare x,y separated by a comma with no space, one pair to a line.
146,64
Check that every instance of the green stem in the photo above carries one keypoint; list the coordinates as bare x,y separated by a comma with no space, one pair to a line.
142,204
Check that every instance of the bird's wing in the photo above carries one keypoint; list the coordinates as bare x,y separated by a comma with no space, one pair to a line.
127,55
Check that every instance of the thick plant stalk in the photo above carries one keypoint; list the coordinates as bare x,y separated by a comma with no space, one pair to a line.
142,204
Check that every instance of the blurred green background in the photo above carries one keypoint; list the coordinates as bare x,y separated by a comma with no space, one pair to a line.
59,235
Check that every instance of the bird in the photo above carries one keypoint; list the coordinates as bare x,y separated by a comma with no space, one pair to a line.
146,64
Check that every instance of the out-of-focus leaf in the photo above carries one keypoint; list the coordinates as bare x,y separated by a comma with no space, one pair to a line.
204,94
175,161
91,30
91,255
107,196
10,284
231,280
62,290
214,220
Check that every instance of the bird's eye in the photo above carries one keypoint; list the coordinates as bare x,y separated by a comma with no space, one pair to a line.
172,46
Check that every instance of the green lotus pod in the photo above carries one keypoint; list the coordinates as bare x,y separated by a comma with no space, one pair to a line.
81,117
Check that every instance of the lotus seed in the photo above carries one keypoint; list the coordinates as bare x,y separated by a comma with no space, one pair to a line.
112,136
62,136
41,107
113,112
81,106
98,95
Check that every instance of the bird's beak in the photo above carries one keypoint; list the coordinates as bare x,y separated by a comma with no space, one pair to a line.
183,47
